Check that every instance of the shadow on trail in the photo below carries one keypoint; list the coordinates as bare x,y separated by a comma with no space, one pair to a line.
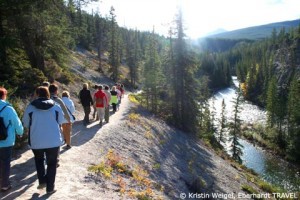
22,176
82,134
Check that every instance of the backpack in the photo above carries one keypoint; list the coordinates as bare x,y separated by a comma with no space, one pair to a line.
3,128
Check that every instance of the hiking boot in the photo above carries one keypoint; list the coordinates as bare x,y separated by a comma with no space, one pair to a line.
100,123
41,186
51,192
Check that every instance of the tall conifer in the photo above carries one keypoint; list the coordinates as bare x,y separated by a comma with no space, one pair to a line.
235,129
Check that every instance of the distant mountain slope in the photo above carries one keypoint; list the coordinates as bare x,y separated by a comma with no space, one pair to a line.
256,32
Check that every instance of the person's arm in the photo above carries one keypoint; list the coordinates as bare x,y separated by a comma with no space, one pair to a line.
25,118
91,99
64,108
16,122
72,107
60,115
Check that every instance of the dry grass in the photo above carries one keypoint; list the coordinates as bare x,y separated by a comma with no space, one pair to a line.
113,167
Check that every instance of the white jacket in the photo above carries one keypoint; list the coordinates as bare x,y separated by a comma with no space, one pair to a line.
70,107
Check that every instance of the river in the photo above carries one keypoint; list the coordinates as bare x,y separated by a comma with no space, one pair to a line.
271,168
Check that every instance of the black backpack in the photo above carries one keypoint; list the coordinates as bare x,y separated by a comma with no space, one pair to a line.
3,128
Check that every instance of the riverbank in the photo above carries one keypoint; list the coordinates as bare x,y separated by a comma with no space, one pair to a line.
258,137
262,161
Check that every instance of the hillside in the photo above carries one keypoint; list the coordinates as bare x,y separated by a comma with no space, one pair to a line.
154,159
256,32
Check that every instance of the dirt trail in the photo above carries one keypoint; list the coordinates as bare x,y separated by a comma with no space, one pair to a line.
71,176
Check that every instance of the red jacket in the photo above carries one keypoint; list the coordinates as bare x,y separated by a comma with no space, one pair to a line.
103,99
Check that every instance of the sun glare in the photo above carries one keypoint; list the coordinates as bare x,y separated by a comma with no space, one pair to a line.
200,16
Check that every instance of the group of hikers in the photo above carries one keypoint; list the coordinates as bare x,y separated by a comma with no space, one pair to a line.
48,122
100,99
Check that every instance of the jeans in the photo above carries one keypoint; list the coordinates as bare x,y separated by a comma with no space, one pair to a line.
5,157
44,176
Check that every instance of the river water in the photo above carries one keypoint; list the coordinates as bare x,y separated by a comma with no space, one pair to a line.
270,167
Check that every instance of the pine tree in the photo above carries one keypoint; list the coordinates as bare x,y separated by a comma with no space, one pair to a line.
272,102
235,130
294,121
131,59
184,83
113,47
99,39
223,124
152,72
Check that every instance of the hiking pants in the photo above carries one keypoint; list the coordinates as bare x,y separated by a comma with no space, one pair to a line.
114,105
5,157
67,129
95,110
101,112
87,111
106,115
51,160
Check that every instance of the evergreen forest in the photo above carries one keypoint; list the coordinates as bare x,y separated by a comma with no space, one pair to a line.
176,77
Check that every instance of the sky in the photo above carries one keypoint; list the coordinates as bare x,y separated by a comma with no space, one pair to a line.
201,17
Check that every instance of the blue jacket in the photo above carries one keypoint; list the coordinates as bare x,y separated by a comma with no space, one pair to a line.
43,117
13,122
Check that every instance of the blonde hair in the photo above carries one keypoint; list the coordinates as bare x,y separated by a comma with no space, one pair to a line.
65,94
86,85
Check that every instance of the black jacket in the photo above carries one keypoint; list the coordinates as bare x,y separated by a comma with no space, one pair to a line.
85,97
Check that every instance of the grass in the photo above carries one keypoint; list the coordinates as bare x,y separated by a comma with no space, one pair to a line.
133,99
156,166
250,190
101,168
133,117
113,167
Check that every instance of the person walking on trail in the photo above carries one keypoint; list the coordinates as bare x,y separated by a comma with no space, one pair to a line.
53,89
93,92
114,98
101,103
13,126
122,89
43,118
86,101
108,96
119,95
67,127
119,90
